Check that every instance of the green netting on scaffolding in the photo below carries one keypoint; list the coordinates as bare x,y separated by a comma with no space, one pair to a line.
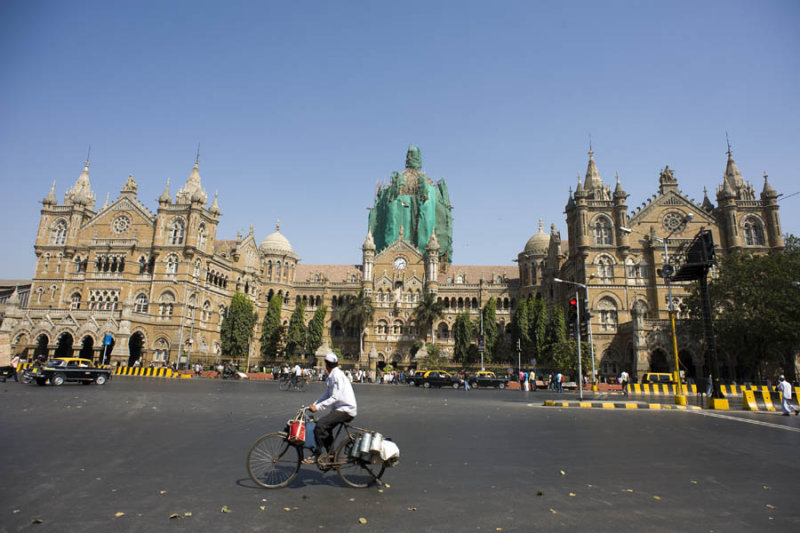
414,202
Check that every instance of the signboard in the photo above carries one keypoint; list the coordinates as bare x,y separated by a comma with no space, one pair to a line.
108,339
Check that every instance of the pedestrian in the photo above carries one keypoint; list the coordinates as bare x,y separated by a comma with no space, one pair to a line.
559,382
623,379
785,389
466,380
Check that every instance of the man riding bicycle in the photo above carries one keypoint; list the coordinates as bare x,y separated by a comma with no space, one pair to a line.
341,400
297,373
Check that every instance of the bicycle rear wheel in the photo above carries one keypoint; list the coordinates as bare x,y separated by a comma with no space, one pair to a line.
273,462
285,384
301,385
353,471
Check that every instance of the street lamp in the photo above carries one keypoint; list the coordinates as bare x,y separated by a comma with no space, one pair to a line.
578,329
666,272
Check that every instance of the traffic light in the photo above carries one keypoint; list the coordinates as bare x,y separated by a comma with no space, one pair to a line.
572,315
586,317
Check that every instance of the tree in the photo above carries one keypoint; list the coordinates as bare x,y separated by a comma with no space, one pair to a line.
357,313
537,320
520,327
490,326
756,313
429,310
315,329
296,334
271,330
434,358
463,333
236,330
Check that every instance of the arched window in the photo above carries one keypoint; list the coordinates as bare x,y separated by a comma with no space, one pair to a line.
201,235
53,291
602,229
140,306
753,232
397,328
605,268
381,327
443,332
197,266
59,232
206,313
278,271
172,264
75,301
608,314
166,305
177,232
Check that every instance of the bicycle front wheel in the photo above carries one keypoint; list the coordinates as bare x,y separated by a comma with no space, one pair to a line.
273,462
285,384
353,471
301,385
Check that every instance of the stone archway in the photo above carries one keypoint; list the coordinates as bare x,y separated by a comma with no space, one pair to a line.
659,361
687,365
87,348
135,344
64,347
41,350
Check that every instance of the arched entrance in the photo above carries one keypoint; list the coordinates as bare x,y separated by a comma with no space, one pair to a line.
41,351
658,361
135,348
64,347
687,365
87,348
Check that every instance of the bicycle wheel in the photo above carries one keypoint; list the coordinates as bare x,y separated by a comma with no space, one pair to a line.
285,384
301,385
273,462
353,471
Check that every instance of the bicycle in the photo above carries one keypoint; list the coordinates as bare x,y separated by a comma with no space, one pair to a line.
274,461
287,383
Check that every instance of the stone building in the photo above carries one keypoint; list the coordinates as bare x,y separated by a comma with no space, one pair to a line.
160,282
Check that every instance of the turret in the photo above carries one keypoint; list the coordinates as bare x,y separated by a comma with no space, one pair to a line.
368,260
432,264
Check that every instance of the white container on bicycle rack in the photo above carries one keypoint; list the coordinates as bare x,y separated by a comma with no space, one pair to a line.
366,441
355,451
375,445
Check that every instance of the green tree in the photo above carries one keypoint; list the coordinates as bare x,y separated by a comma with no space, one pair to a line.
520,328
316,328
296,334
429,310
537,320
463,333
357,313
490,326
271,330
236,330
434,358
756,313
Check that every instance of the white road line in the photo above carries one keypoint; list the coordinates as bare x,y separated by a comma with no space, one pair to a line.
749,421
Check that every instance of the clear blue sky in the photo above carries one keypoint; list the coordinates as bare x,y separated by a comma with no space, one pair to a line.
300,107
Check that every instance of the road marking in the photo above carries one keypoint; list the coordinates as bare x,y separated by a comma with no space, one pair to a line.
749,421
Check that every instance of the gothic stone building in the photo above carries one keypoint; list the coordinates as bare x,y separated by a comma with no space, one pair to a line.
159,283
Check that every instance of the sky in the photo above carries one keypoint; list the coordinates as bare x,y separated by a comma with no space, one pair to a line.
300,108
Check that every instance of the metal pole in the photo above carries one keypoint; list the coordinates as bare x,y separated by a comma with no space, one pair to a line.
481,342
591,342
578,339
680,398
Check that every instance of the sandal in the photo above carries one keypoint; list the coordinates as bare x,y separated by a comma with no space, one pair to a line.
310,460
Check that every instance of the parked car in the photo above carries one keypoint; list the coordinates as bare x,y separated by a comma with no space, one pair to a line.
60,370
657,377
484,378
435,378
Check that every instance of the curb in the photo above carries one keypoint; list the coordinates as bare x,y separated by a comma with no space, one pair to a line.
620,405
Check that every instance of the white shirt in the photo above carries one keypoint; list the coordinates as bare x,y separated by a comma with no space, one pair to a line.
339,394
786,389
624,376
297,370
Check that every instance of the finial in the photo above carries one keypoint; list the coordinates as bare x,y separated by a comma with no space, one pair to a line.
705,191
108,197
765,175
88,153
728,143
251,229
591,153
197,159
278,225
541,226
617,178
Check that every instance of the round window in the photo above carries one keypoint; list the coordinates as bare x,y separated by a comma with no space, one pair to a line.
121,224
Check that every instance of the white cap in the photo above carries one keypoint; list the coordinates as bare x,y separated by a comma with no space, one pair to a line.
331,358
780,377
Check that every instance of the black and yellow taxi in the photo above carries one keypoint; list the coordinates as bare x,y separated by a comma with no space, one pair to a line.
438,378
60,370
663,378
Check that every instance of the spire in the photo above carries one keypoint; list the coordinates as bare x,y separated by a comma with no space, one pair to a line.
579,191
707,205
81,192
667,181
768,191
51,199
214,209
369,242
108,200
593,179
732,174
130,185
433,243
414,158
165,197
193,190
619,192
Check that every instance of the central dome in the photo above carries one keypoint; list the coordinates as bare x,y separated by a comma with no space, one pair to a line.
539,243
276,242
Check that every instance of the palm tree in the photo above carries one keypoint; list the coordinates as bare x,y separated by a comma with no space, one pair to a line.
429,310
357,313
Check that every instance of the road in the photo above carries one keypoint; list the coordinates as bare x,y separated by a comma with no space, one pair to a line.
488,460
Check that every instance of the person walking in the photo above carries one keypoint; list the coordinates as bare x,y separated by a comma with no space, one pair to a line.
785,389
559,382
623,379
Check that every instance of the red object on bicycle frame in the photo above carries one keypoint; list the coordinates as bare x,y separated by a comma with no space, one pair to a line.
297,431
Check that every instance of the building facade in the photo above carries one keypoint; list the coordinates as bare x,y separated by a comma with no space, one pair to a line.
159,283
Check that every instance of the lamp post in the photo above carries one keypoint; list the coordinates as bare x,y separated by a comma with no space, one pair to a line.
666,272
578,327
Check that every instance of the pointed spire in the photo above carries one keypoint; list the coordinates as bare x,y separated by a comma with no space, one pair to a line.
81,192
768,191
165,197
214,209
433,242
130,185
51,199
108,200
193,190
619,192
579,191
707,205
593,179
732,174
369,242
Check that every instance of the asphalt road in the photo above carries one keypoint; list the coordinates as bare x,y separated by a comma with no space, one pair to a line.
77,456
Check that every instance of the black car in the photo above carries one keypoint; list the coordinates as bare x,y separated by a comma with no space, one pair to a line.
60,370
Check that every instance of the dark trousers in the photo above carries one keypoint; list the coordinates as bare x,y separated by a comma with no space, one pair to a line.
323,432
